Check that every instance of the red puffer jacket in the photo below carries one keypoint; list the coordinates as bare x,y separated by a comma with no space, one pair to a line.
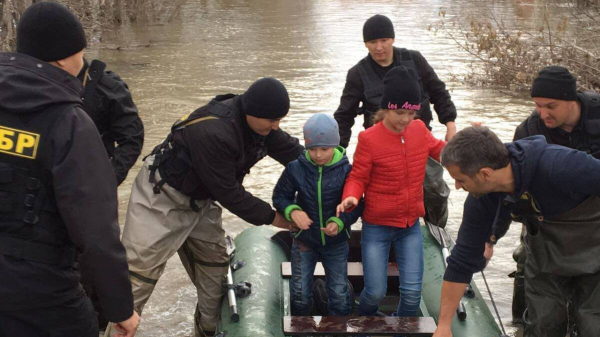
389,169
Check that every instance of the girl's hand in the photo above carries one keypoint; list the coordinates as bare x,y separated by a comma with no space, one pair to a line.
301,219
346,204
331,229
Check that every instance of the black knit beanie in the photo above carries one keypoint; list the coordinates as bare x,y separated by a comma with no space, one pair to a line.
555,82
401,90
266,98
378,27
49,31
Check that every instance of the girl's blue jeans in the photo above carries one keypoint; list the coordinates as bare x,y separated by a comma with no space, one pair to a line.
408,248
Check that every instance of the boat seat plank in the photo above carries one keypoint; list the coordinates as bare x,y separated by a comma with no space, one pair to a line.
358,325
355,269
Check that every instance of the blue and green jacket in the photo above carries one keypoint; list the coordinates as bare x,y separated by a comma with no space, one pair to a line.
316,190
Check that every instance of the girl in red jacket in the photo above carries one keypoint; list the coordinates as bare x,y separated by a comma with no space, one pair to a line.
388,169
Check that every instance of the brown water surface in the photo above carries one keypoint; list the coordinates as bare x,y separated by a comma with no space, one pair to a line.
221,46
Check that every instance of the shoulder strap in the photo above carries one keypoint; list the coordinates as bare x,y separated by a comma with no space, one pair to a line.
93,76
213,110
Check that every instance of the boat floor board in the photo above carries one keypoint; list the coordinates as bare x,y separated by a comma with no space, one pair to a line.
355,269
358,325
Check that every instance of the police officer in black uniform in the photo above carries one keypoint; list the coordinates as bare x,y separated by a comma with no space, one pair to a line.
564,117
204,160
108,101
364,83
57,190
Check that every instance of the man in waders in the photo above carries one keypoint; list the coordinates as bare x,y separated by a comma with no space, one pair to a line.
173,205
555,192
57,190
564,117
107,100
362,96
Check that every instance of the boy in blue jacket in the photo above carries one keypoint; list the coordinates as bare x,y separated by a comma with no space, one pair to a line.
307,193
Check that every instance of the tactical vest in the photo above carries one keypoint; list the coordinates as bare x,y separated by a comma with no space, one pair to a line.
31,228
93,77
173,161
590,143
373,87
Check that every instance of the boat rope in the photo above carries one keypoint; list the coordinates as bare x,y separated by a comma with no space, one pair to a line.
494,304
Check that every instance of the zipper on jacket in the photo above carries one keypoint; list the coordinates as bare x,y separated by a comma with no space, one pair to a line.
320,204
406,177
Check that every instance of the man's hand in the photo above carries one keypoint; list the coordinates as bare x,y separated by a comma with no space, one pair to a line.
488,253
442,332
281,222
127,328
451,294
301,219
346,204
331,229
450,130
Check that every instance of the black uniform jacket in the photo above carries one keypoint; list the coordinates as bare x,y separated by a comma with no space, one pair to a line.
353,95
116,116
223,152
84,187
585,136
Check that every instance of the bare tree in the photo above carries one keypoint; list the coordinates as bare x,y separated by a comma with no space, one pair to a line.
95,15
508,57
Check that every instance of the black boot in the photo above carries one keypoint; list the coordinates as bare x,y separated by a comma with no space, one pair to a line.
518,304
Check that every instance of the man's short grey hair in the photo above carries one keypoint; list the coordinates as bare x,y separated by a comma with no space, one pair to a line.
474,148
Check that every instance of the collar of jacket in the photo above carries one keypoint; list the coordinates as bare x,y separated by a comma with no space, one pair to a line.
338,154
42,83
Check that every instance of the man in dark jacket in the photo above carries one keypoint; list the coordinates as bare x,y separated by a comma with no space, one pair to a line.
173,205
364,83
57,194
364,88
108,102
555,191
564,117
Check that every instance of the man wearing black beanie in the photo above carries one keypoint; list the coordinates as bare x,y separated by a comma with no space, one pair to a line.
565,117
364,83
173,205
57,190
364,89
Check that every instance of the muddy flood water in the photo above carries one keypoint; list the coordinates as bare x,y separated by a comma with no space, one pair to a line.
221,46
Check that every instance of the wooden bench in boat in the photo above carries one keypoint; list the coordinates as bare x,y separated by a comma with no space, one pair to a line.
355,269
358,325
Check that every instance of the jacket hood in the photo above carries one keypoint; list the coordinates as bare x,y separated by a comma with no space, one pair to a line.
525,155
30,85
338,159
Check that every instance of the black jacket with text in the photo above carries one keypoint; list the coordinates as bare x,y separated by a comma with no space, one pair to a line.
57,194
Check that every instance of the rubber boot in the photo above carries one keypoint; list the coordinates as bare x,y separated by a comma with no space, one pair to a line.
518,304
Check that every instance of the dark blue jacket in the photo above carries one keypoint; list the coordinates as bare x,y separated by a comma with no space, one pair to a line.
558,179
317,190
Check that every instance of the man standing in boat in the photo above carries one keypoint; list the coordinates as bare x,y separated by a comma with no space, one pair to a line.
364,89
57,190
555,192
364,82
564,117
173,205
